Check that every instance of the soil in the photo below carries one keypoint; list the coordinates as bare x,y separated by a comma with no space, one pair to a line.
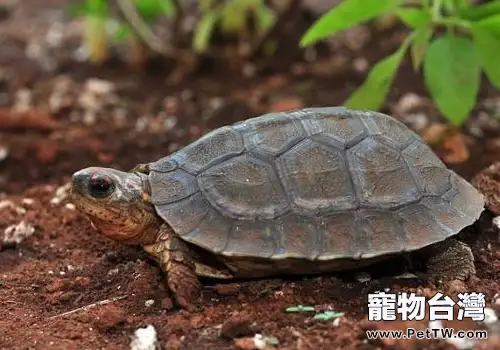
54,122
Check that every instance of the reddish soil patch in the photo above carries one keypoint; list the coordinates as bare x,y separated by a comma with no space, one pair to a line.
66,265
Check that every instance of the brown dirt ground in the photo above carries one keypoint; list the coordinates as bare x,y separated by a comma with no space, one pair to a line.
66,265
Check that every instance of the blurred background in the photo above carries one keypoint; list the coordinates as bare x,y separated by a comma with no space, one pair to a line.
115,83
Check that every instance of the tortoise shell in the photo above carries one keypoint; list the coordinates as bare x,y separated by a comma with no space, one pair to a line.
315,184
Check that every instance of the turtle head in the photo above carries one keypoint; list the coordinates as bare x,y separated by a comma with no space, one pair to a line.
117,202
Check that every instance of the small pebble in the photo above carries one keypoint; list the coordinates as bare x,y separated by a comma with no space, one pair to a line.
108,316
55,285
61,194
28,201
187,95
70,206
197,322
437,324
236,326
259,341
15,234
409,102
416,121
245,344
144,339
490,316
113,272
496,299
149,302
356,38
55,34
6,204
82,281
462,343
249,70
4,152
361,65
169,123
496,222
99,86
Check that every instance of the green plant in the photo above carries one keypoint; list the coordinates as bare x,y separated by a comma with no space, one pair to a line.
452,40
98,18
95,14
148,10
328,315
232,19
299,308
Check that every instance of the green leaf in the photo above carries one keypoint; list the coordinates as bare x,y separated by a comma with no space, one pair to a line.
419,46
167,6
265,18
205,6
347,14
461,4
491,23
414,17
122,32
233,16
477,13
328,315
452,75
299,308
95,8
150,9
98,8
372,93
488,48
204,31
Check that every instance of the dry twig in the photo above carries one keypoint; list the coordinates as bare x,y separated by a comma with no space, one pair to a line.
141,28
88,307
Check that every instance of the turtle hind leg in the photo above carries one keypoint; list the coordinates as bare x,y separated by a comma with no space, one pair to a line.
449,260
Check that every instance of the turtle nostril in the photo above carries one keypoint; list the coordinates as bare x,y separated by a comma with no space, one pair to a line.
79,181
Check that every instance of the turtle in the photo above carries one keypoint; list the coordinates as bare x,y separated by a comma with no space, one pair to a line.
300,192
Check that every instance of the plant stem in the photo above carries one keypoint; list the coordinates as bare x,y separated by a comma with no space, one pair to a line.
178,16
283,17
425,5
140,27
436,10
452,21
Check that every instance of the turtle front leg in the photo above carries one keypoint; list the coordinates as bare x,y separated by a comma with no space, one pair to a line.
449,260
177,261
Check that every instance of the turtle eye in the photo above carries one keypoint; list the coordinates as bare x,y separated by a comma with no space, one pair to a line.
100,186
